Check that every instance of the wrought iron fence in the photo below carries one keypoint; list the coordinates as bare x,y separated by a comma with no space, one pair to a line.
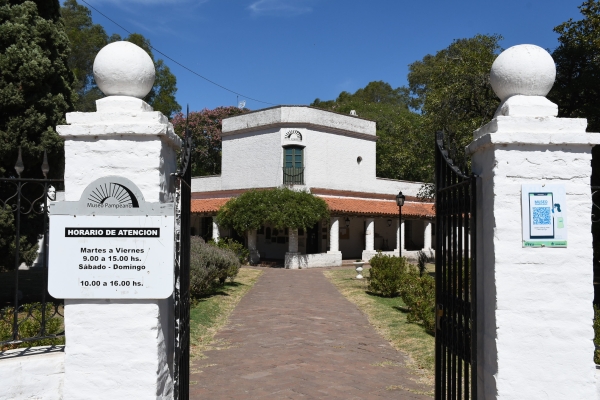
29,316
293,176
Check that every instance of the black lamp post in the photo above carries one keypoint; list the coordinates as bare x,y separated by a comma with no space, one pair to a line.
400,202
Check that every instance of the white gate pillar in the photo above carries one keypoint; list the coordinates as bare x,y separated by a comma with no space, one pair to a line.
120,349
216,233
334,236
534,305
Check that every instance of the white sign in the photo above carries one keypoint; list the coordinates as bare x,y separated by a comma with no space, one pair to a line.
111,245
544,215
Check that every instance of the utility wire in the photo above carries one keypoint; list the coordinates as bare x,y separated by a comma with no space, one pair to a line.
176,62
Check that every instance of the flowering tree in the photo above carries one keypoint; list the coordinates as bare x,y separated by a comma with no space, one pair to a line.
206,127
279,207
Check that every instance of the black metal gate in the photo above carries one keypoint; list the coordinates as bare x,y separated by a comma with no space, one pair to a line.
455,279
181,292
29,316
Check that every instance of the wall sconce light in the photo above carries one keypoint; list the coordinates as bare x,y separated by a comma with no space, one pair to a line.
347,220
389,221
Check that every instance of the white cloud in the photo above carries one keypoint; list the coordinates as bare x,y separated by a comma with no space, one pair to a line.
279,7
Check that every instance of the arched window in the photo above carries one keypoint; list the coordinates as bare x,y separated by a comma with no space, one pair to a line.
293,165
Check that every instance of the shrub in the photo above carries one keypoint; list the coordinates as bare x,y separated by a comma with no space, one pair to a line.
238,248
386,273
418,293
422,260
30,324
209,265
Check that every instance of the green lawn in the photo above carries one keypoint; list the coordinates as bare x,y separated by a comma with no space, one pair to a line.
389,319
209,314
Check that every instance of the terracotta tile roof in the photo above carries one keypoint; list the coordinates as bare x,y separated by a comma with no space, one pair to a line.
341,205
378,207
208,206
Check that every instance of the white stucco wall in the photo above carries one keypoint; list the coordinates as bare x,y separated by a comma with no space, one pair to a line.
32,373
534,304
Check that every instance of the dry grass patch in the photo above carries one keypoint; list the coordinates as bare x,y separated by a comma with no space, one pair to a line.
389,319
209,314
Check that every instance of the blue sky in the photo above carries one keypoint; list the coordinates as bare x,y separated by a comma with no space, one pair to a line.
293,51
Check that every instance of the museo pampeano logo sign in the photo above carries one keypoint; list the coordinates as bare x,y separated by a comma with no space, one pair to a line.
112,195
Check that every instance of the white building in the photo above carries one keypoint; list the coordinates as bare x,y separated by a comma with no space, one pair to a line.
332,156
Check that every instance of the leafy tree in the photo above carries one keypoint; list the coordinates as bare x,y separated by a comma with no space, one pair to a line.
281,207
402,150
86,39
35,94
452,89
206,128
35,85
577,85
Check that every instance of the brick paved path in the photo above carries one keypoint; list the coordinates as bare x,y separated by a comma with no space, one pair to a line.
295,336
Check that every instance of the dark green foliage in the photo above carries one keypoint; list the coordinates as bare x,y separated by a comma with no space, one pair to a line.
422,260
452,89
30,323
418,293
210,266
577,85
386,273
86,40
392,276
28,246
35,85
236,247
281,208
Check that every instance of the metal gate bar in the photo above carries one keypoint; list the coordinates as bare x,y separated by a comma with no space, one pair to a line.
181,293
455,339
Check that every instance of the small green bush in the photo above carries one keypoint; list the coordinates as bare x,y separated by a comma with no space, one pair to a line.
30,323
418,293
422,260
209,265
386,273
238,248
391,276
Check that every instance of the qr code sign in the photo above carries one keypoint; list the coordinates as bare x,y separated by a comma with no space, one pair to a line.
541,216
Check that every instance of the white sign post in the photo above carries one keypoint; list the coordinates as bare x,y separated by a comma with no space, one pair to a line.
111,244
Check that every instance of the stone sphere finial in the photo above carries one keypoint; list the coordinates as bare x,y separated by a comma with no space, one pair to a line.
124,69
525,69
